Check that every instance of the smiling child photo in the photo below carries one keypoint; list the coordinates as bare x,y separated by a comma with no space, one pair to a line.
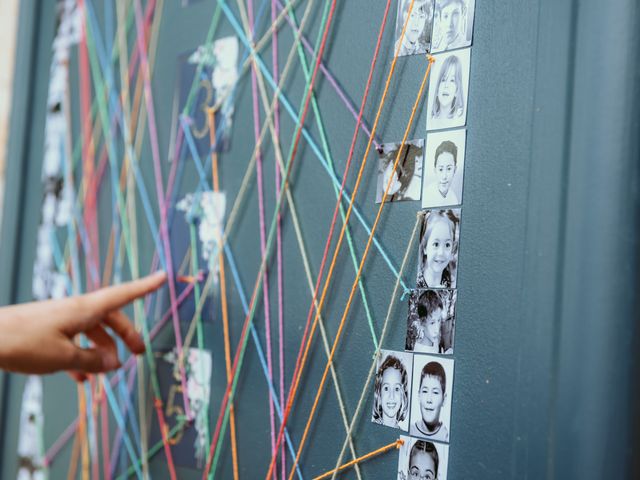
438,249
431,398
406,179
391,390
448,90
444,169
422,460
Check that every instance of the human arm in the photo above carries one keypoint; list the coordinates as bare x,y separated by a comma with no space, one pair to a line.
37,337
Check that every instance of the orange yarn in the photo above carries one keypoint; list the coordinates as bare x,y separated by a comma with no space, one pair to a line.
165,438
360,268
82,431
223,296
369,455
300,369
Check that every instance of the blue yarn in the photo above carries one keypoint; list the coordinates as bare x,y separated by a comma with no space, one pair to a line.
116,112
307,136
125,399
202,185
123,427
60,265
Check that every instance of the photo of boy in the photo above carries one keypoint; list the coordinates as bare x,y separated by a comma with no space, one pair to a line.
391,390
444,172
406,179
448,90
417,36
452,24
431,402
431,321
420,459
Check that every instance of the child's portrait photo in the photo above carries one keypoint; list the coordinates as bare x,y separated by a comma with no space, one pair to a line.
422,460
444,169
452,24
431,397
405,182
448,90
391,390
431,321
438,249
417,36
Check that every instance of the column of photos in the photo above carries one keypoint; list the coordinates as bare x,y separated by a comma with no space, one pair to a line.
413,389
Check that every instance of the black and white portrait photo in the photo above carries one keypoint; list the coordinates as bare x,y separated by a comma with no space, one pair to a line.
422,460
452,24
431,397
391,390
431,321
448,90
405,182
443,169
438,249
417,36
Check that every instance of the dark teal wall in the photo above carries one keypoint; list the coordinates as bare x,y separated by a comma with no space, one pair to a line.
546,335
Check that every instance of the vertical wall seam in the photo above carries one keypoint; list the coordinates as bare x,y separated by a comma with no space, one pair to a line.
556,339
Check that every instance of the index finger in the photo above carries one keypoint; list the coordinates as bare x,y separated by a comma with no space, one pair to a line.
117,296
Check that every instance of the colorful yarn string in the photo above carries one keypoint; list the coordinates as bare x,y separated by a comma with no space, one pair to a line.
193,149
223,297
356,131
299,237
279,261
397,444
222,420
300,363
383,335
327,153
113,114
261,217
289,199
102,110
295,117
297,227
362,262
164,233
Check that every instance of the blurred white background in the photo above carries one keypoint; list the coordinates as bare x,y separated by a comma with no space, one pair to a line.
8,30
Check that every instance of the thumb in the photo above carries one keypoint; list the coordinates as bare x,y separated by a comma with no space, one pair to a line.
93,360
